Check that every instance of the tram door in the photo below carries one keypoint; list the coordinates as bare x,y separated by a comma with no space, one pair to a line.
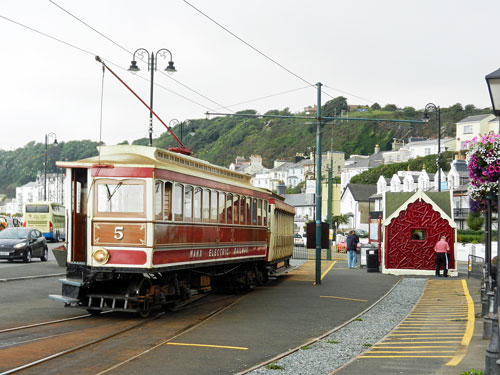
79,197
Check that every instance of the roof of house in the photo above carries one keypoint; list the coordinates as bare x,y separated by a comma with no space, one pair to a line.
394,200
474,118
361,192
298,200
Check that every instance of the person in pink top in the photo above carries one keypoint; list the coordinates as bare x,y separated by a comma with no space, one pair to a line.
442,250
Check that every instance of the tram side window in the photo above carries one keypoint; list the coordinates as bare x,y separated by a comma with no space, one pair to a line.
178,202
264,213
158,199
232,209
205,206
214,198
197,205
167,202
222,208
188,203
259,212
254,211
249,211
242,210
236,215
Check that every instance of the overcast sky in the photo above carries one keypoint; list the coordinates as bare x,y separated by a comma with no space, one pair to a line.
400,52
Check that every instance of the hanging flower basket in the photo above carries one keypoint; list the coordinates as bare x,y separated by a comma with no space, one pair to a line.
483,163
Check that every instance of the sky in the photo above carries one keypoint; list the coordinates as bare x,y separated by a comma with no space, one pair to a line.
402,52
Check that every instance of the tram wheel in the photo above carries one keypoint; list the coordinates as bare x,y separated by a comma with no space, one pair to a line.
140,289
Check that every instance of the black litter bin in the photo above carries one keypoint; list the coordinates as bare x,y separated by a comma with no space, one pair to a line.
372,260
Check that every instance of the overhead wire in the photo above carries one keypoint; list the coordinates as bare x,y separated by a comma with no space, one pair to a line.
130,52
268,57
94,54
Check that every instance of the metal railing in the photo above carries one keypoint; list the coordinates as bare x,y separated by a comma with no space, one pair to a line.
475,267
302,252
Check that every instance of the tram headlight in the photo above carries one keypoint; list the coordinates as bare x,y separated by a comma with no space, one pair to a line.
101,256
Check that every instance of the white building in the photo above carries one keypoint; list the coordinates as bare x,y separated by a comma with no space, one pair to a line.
472,126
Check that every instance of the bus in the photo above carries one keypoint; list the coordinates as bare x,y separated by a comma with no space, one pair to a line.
48,217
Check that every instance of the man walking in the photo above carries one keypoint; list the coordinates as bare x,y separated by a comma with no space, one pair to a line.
351,245
442,248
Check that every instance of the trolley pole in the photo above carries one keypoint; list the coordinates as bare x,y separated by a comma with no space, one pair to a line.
318,187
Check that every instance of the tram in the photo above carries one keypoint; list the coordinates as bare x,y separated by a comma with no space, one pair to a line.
149,227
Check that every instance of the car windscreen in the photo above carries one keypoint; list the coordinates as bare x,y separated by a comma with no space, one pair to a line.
40,208
14,233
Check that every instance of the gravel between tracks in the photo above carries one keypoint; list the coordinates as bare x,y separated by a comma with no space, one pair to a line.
333,351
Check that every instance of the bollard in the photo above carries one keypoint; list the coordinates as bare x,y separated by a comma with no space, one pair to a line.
484,301
491,366
490,317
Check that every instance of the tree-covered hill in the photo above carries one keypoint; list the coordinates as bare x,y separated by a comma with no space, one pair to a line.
220,139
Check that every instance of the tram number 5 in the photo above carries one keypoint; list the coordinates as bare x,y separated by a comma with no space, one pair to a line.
118,233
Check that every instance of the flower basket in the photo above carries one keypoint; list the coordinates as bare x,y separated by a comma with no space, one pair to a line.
483,163
60,253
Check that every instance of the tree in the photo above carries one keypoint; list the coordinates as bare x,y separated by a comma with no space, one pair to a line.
334,107
475,220
375,106
390,108
338,220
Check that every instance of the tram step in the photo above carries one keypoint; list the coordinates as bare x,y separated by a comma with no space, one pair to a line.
66,300
72,282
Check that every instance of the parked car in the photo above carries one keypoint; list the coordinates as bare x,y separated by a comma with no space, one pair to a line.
23,243
298,240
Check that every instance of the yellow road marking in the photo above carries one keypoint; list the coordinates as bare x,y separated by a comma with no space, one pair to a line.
469,330
327,270
405,356
208,346
414,347
412,351
350,299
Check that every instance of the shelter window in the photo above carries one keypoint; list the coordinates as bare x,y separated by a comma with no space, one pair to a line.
125,197
418,234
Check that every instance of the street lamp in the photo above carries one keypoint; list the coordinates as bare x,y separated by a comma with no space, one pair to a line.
425,118
47,137
492,352
152,65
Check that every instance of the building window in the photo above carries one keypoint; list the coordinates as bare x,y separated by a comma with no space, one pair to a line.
418,234
467,129
427,151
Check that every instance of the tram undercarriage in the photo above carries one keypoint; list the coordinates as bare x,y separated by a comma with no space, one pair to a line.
143,292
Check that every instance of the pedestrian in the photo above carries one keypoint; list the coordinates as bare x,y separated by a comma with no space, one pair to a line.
351,246
442,256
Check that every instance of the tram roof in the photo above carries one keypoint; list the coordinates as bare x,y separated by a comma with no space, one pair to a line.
153,157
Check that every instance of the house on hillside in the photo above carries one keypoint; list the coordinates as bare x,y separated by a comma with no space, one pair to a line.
472,126
354,202
357,164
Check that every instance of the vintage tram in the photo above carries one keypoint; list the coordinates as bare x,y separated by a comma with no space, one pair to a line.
148,227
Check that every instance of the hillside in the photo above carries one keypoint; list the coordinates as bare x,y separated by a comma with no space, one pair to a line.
220,139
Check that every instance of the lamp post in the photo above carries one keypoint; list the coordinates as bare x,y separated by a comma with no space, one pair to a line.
493,82
425,118
152,65
47,137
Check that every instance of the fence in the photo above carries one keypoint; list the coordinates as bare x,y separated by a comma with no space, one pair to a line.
301,252
476,267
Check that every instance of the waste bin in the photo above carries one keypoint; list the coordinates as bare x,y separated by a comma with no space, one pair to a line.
372,260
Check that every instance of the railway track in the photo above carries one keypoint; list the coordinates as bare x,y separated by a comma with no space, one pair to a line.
43,348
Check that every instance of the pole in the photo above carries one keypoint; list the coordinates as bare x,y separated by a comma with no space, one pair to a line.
329,214
318,187
150,130
45,175
438,117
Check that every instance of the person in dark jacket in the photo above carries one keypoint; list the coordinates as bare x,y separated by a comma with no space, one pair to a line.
351,247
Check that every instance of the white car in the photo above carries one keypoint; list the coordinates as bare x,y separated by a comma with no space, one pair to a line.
298,240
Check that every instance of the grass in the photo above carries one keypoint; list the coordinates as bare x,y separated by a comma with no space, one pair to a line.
332,342
472,372
274,366
306,347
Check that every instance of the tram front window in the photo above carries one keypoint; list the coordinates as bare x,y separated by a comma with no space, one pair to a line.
120,197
